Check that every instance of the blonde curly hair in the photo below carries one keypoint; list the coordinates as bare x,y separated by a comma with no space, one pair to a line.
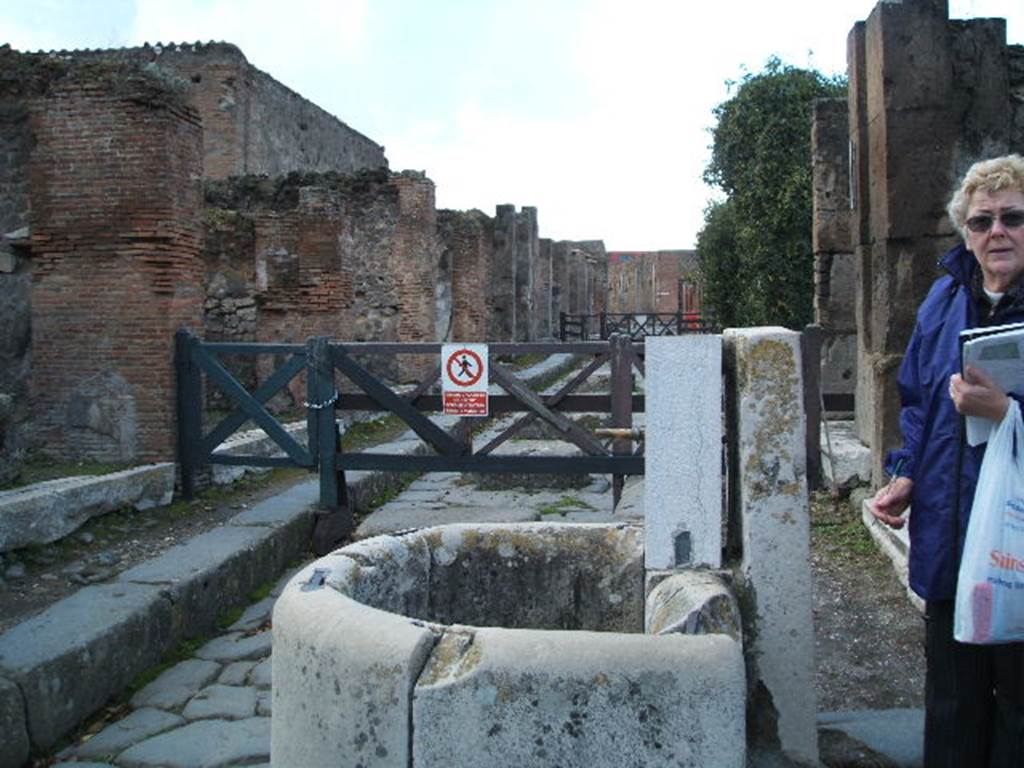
994,175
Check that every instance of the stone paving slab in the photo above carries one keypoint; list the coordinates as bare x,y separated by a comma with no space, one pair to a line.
236,673
236,646
403,516
896,733
177,685
117,737
261,674
202,744
255,616
221,702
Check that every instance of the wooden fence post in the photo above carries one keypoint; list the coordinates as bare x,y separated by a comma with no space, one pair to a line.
621,360
810,350
189,407
320,399
335,518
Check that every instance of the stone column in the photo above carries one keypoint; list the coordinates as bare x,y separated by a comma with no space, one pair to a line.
503,274
834,278
544,320
526,258
769,506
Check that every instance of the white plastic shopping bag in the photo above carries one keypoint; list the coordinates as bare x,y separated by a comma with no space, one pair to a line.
990,588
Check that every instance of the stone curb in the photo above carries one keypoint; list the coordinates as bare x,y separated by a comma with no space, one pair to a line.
63,665
895,545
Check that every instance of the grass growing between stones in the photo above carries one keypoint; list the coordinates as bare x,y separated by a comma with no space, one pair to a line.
38,468
565,504
837,528
366,433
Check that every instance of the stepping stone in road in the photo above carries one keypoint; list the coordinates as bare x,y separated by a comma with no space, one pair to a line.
177,685
203,744
222,702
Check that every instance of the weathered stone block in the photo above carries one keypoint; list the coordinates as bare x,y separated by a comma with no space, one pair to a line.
45,512
683,478
774,517
847,462
834,301
908,50
692,603
839,363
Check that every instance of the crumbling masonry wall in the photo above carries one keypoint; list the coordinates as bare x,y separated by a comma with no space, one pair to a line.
110,246
927,97
352,257
252,124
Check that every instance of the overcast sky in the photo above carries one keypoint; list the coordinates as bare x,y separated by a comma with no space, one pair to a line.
595,111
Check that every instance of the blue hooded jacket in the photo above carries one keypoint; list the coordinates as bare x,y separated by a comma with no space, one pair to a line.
934,453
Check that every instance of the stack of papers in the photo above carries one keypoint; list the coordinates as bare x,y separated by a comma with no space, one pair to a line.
997,350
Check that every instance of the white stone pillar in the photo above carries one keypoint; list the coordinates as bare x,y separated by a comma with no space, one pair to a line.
683,465
773,512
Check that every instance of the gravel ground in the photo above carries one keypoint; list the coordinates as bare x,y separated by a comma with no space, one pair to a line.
869,642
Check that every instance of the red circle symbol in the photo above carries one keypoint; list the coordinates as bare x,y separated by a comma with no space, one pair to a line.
464,367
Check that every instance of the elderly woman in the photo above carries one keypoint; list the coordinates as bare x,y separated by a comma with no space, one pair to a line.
974,694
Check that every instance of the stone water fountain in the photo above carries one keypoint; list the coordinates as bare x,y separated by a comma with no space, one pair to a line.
581,644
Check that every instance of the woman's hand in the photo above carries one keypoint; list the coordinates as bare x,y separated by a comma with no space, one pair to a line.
892,501
976,394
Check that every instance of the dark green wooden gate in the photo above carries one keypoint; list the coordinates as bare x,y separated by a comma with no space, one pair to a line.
327,364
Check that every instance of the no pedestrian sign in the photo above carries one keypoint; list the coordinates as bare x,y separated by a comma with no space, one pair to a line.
464,379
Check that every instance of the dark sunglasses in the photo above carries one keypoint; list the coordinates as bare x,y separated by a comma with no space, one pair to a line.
983,222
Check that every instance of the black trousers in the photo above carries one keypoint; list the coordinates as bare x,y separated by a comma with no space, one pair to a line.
974,698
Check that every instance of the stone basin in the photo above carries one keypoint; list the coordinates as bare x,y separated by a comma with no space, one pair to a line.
503,645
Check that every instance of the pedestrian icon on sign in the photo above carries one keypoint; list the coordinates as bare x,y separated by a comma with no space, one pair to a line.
464,367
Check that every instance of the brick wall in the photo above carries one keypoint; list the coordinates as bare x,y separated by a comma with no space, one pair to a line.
115,242
252,123
649,281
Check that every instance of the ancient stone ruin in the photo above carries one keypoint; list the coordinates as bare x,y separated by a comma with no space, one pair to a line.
161,187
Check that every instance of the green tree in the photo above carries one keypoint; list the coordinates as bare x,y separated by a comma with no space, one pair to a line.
761,271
